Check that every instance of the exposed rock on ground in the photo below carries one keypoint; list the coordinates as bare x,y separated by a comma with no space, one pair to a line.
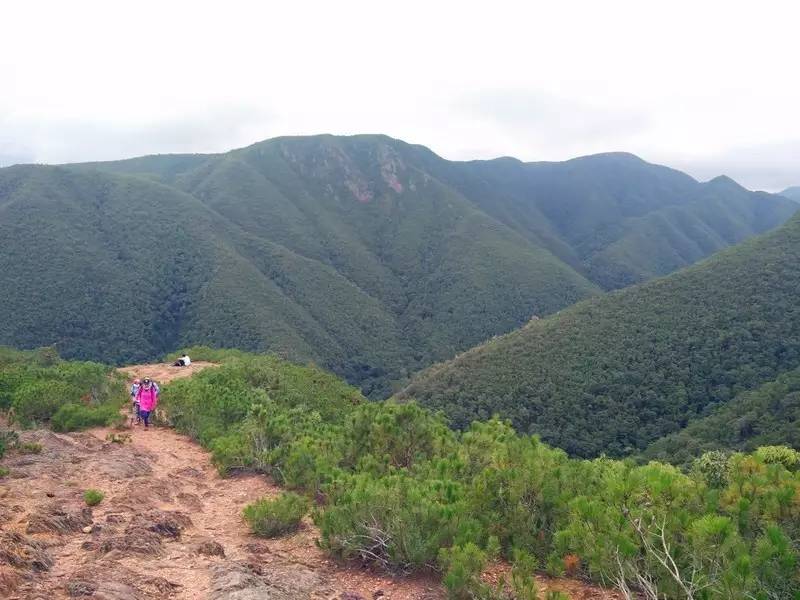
210,548
235,581
57,519
164,523
24,553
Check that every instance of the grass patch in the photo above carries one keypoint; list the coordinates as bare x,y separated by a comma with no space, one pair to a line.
4,472
93,497
30,448
8,439
276,517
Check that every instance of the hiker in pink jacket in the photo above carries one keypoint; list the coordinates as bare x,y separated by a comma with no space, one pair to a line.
148,399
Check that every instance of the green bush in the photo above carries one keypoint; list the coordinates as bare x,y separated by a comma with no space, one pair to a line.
8,439
11,377
30,448
788,457
311,463
274,517
712,467
74,417
396,435
93,497
231,452
254,413
396,521
36,401
4,472
37,387
463,566
523,580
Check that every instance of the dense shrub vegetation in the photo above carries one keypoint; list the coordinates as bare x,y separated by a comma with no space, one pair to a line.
614,374
398,489
366,255
277,516
38,388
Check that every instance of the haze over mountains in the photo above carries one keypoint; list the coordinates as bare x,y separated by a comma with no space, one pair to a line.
370,256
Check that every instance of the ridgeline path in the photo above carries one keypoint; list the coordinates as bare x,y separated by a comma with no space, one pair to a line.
168,527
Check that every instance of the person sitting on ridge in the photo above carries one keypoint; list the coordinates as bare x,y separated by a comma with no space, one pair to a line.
183,361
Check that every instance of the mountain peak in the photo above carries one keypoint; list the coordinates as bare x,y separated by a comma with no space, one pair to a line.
723,181
611,157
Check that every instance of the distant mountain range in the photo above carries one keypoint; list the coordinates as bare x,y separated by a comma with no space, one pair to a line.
372,257
615,373
793,193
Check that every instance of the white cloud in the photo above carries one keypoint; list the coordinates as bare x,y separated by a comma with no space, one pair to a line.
546,120
72,138
675,81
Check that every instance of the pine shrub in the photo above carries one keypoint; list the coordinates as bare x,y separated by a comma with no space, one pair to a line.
93,497
270,517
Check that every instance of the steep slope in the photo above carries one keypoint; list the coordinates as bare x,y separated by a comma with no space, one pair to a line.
715,215
126,268
614,373
116,267
614,217
79,271
448,271
793,193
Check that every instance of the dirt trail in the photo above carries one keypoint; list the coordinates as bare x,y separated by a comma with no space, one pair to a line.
168,527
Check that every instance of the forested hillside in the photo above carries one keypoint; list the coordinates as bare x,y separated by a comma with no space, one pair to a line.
766,416
614,218
124,269
367,255
614,373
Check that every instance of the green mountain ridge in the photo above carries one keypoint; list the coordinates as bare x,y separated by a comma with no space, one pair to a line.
576,209
372,257
615,373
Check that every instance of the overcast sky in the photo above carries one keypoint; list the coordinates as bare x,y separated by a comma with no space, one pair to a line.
708,87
